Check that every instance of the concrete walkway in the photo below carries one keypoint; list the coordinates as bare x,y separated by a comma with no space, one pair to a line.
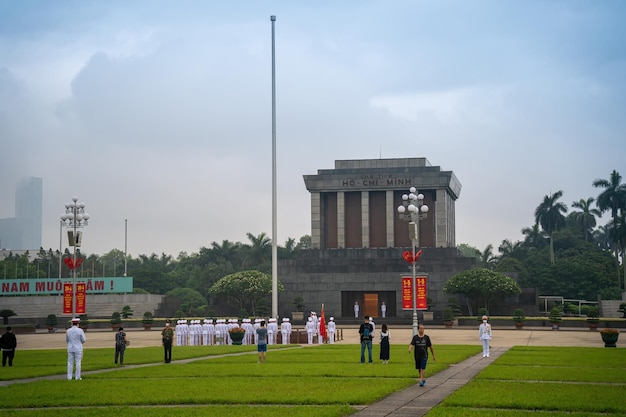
416,401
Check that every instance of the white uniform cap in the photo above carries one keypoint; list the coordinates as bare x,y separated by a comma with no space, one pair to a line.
75,320
332,318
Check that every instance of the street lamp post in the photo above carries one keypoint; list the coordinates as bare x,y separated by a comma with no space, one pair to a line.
413,210
74,218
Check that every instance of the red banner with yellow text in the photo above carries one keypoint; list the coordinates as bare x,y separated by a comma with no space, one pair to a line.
68,298
81,298
407,293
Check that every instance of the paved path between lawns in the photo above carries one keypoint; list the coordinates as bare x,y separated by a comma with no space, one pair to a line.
413,401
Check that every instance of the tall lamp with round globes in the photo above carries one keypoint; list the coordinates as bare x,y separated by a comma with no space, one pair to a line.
413,210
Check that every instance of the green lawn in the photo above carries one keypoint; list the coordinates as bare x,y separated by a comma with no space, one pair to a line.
557,381
316,381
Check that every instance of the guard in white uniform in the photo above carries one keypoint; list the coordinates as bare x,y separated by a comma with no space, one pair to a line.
484,334
285,330
211,332
272,331
246,325
331,330
310,330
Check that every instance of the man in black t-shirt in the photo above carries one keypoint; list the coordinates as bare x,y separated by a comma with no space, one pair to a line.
8,343
420,344
366,332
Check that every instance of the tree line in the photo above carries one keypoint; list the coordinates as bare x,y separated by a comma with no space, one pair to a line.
565,253
561,254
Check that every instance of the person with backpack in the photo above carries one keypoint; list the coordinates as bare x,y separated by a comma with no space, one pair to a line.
366,332
421,343
120,345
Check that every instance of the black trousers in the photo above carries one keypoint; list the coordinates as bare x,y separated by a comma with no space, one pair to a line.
8,354
119,353
167,350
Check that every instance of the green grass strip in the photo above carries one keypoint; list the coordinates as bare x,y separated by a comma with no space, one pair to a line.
546,396
470,412
192,411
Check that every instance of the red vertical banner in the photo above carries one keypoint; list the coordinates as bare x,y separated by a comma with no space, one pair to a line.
68,298
422,300
407,293
80,298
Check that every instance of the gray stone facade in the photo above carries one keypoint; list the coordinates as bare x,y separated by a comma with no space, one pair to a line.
338,277
358,238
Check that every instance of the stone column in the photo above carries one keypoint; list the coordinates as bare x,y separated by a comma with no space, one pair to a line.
389,218
341,220
316,221
365,219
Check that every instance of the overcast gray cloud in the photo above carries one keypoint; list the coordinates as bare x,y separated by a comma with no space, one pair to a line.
159,113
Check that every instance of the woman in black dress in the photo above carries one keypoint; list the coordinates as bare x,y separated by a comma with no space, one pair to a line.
384,344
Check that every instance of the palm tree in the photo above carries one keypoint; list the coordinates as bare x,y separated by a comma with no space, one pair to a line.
260,249
509,249
586,218
487,258
549,214
612,198
534,238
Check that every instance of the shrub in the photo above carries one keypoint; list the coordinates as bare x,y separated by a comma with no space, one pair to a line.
481,312
555,315
116,318
51,320
593,312
84,320
148,318
518,315
127,312
448,314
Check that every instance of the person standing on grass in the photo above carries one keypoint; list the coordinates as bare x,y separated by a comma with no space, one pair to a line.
484,334
75,338
420,345
261,339
384,344
8,343
366,332
120,345
167,334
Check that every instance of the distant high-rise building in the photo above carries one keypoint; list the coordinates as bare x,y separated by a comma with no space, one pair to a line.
23,232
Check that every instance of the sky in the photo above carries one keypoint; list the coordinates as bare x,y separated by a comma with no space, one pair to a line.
158,113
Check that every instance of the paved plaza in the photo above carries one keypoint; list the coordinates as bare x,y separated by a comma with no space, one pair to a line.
540,336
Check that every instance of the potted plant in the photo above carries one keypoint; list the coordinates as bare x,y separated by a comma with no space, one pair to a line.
51,321
298,303
609,337
126,312
555,318
518,318
116,320
84,322
593,319
236,335
147,320
448,317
